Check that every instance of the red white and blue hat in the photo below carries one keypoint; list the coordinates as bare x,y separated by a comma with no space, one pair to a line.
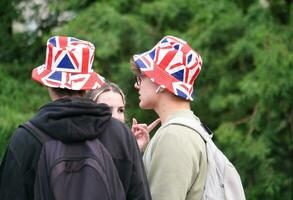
68,65
172,64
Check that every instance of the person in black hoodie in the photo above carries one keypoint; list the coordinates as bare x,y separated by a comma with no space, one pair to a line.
70,117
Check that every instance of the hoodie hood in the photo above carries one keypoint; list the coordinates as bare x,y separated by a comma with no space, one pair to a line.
73,119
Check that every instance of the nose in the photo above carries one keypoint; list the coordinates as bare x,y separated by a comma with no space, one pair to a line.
118,116
115,114
136,86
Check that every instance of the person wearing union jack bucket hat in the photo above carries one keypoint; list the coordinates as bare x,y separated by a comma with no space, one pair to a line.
68,65
175,158
73,124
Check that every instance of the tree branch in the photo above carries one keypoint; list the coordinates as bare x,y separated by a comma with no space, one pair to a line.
255,109
249,119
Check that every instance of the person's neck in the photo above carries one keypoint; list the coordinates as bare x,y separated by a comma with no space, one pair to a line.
168,105
55,97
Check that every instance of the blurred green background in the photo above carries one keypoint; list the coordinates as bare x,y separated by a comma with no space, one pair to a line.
244,91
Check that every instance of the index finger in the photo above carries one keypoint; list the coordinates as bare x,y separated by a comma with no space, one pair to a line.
134,121
153,124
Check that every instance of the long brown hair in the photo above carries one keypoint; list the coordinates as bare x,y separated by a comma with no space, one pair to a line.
108,86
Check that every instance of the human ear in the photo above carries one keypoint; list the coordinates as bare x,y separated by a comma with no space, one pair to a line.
161,88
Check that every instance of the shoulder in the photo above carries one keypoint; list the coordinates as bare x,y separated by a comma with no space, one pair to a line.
115,123
22,138
177,139
119,130
118,140
180,133
175,145
23,146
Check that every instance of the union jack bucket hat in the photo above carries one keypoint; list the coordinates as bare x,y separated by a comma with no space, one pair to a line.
172,64
68,65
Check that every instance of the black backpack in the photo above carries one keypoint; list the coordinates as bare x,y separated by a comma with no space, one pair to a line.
74,171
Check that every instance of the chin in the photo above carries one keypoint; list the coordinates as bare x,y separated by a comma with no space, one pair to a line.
141,105
144,106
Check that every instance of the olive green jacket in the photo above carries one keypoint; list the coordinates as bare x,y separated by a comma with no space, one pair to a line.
175,162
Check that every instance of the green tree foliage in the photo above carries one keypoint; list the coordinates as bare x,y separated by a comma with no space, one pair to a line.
19,98
8,12
244,91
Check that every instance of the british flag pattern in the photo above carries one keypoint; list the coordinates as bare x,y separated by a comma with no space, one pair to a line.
172,64
68,65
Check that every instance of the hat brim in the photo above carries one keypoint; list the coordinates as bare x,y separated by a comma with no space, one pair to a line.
71,81
159,76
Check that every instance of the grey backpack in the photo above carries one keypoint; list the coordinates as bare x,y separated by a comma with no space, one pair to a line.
223,181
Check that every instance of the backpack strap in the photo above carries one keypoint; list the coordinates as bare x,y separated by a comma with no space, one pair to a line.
40,135
196,125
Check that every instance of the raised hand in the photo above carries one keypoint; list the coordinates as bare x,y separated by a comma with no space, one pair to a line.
141,132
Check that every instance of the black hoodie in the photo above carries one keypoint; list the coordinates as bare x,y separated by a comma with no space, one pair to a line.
72,120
